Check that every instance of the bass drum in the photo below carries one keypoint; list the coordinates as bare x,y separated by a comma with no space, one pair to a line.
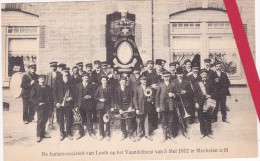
15,84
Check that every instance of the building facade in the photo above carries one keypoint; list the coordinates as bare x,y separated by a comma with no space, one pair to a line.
70,32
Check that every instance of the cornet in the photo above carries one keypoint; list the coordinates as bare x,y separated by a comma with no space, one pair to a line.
148,93
65,97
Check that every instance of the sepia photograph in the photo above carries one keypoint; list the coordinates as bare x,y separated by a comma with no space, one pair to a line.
125,80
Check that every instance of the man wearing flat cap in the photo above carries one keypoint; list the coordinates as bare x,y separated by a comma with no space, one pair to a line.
80,66
165,106
51,77
193,79
221,85
43,102
143,105
202,91
29,80
187,69
207,63
184,90
63,98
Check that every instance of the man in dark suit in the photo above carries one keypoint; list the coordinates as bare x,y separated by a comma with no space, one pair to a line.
84,97
51,77
75,79
183,88
193,79
97,72
202,90
42,99
103,97
63,101
134,79
143,106
164,105
210,72
80,67
172,71
221,84
124,102
187,70
29,80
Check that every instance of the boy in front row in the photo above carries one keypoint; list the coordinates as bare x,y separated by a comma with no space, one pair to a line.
41,98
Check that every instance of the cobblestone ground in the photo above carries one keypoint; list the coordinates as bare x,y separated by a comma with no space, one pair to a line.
241,130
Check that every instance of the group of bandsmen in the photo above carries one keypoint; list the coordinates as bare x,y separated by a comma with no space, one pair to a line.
153,95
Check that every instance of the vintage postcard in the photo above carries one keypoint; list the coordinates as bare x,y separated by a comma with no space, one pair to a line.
125,80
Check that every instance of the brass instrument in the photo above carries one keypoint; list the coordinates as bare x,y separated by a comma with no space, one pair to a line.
148,93
77,117
184,109
64,102
127,114
106,117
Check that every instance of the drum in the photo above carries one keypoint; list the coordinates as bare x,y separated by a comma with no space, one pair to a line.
15,84
209,105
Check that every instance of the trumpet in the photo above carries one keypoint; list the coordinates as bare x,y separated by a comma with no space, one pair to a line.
184,109
65,97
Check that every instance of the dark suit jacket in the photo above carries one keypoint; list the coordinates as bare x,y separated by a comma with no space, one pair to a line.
60,88
119,99
162,96
199,97
74,82
193,80
50,81
41,95
187,98
134,82
139,99
152,78
96,77
221,87
106,94
26,84
79,100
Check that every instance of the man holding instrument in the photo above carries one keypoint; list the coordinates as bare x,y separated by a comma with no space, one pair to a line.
63,101
123,101
143,106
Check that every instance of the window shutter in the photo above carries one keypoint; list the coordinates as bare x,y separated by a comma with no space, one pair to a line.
42,35
138,34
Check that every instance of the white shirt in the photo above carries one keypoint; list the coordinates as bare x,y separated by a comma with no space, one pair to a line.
144,87
180,80
54,74
84,84
65,79
166,83
218,73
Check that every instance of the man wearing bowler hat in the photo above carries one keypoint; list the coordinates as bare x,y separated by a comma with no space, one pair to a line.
42,99
29,80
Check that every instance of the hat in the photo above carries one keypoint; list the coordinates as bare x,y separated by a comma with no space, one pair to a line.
85,74
179,70
62,65
53,64
97,62
67,69
186,61
207,60
88,65
195,66
158,62
42,76
79,64
149,62
143,78
172,64
203,71
166,74
75,67
32,66
103,76
163,61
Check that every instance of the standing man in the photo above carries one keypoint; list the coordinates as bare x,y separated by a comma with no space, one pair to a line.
60,67
193,79
220,92
103,97
84,102
164,105
187,70
134,79
207,67
163,65
123,101
97,72
80,66
143,106
172,71
29,80
42,99
51,77
63,101
202,92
